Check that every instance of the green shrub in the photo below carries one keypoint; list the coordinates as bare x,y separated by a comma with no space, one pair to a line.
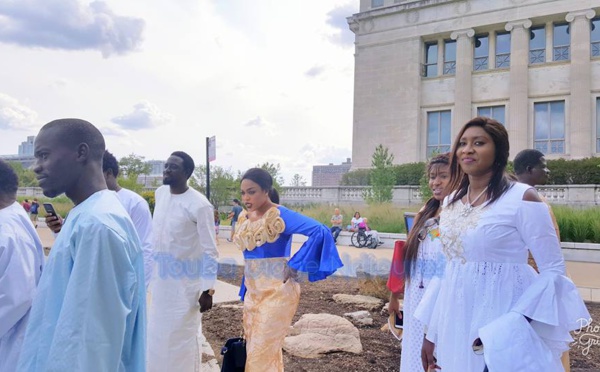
577,172
409,173
149,196
578,225
382,217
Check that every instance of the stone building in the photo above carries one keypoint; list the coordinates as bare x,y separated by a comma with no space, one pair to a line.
423,68
330,175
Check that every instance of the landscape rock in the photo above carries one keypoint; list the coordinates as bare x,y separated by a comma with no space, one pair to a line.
358,315
317,334
364,302
362,317
313,345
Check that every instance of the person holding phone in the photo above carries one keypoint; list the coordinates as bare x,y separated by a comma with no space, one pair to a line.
89,313
423,262
491,310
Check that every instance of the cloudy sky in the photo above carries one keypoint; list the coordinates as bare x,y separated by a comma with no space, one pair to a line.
271,79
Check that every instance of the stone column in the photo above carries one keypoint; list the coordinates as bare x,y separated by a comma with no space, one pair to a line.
440,59
549,41
492,50
463,85
518,123
578,120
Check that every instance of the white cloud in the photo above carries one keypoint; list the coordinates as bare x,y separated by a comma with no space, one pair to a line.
69,25
144,116
266,126
336,18
315,71
15,115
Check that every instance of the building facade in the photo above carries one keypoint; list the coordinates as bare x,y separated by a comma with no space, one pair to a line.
330,175
26,148
423,68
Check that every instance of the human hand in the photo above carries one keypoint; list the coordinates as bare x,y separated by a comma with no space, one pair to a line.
206,301
54,223
427,358
394,304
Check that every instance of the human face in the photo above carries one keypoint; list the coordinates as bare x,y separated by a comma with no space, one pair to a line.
540,173
253,197
174,172
476,152
56,167
356,215
439,177
336,211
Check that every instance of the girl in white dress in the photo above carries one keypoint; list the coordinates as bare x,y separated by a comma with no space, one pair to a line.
423,261
491,309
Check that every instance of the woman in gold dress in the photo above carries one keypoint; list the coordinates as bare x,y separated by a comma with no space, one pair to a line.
269,289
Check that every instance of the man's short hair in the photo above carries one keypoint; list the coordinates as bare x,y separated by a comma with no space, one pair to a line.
236,201
109,162
188,162
77,131
9,182
527,158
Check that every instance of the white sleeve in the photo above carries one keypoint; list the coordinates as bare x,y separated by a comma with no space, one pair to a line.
17,281
537,231
205,225
142,220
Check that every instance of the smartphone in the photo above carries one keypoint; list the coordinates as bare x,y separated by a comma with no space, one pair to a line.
50,209
399,323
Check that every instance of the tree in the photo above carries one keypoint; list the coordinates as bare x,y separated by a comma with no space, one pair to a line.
223,184
382,176
26,175
298,180
357,177
274,170
133,165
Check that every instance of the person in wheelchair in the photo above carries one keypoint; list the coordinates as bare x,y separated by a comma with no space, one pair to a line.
364,236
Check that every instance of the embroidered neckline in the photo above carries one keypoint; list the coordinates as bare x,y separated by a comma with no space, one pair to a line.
252,234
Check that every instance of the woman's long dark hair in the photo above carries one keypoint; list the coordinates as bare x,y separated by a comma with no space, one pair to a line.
263,179
428,211
500,181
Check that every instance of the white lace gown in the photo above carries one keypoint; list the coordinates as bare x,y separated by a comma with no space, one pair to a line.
429,265
487,279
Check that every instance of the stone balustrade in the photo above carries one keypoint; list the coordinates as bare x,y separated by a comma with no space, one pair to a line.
573,195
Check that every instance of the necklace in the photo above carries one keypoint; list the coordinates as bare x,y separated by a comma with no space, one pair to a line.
469,205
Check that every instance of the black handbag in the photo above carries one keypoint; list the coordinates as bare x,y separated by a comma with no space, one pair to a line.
234,355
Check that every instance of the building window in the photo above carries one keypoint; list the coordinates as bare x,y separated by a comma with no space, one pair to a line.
376,3
503,50
494,112
449,57
550,127
431,54
537,45
595,37
481,55
561,41
597,124
438,132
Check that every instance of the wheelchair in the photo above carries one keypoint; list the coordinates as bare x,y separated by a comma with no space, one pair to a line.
361,239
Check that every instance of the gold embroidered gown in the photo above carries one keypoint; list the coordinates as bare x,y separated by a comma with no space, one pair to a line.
269,302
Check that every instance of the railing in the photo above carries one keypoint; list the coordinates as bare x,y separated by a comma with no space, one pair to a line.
561,53
450,68
537,56
503,60
480,63
595,49
572,195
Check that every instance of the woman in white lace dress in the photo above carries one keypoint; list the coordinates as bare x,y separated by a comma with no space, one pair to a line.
423,261
489,296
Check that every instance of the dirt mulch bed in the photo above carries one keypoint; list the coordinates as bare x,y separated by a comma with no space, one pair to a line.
381,352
